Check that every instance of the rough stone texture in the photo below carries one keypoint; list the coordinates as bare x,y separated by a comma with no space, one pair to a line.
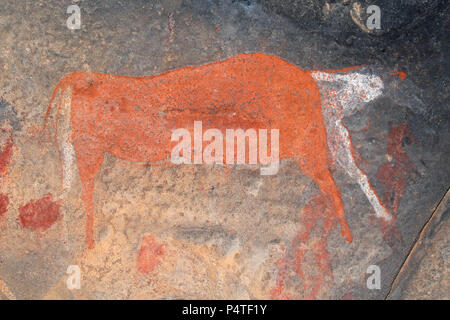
425,274
349,16
212,232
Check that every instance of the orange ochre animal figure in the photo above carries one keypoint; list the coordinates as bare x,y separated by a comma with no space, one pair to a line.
132,118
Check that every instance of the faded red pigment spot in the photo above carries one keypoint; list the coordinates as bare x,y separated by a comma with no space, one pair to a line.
132,118
278,292
149,255
395,175
317,215
4,202
5,157
400,74
39,214
349,295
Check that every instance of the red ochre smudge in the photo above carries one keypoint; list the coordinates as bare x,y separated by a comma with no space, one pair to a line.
400,74
5,157
317,215
149,254
348,295
394,175
4,202
39,214
278,292
132,118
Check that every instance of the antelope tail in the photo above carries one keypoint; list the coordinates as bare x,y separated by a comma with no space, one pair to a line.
60,87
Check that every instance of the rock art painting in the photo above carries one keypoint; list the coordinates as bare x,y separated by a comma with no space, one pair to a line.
224,150
394,176
132,118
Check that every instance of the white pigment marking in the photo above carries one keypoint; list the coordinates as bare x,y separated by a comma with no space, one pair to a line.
343,95
67,150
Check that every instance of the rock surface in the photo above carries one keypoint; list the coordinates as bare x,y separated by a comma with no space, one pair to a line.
213,232
425,273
